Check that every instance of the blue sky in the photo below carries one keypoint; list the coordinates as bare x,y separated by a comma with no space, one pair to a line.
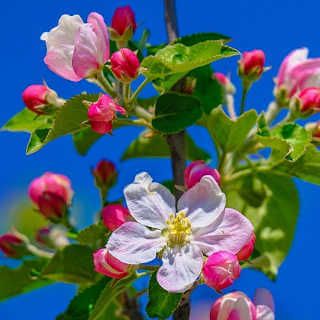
274,26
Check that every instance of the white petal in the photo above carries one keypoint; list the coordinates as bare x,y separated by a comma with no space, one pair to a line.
264,297
181,268
149,203
230,233
264,313
204,202
133,243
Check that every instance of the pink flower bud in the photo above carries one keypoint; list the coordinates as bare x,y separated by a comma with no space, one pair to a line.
105,174
102,113
108,265
309,99
12,245
125,65
222,79
233,306
114,215
35,97
52,237
52,194
123,21
246,251
196,170
220,270
251,64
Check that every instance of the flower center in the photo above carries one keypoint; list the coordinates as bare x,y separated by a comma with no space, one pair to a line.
178,230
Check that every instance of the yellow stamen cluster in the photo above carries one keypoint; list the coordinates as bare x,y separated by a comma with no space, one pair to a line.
178,230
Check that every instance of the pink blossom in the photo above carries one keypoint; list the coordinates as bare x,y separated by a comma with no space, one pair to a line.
105,174
52,193
196,170
252,63
12,245
298,72
222,79
220,270
123,21
246,251
77,50
309,99
125,65
108,265
114,215
102,113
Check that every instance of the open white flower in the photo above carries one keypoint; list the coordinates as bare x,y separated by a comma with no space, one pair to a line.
200,226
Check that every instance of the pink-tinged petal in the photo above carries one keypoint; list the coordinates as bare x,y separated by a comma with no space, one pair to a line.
133,243
84,60
229,233
293,59
180,269
101,127
149,202
204,202
265,313
264,297
99,27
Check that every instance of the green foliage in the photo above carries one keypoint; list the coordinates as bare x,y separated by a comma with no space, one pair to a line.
84,139
174,112
149,145
179,58
94,236
230,135
273,209
192,39
73,264
20,280
161,303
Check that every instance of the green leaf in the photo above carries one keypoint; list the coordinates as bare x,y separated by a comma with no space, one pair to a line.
73,264
20,280
228,134
155,146
200,37
94,236
174,112
274,216
161,303
84,139
179,58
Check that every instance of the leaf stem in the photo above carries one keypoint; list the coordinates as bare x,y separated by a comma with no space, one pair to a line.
138,90
104,84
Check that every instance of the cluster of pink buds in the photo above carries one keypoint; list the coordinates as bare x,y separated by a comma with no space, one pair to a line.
251,65
114,215
52,194
12,245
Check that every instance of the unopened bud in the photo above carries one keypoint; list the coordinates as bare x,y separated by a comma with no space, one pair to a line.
105,174
12,245
251,65
114,215
123,24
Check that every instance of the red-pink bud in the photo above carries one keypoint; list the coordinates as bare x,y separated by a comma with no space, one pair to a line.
251,64
220,270
52,194
35,97
114,215
108,265
12,245
123,19
309,99
196,170
125,65
105,174
233,306
246,251
102,113
222,79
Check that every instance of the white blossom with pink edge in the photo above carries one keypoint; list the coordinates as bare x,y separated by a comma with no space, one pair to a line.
76,49
200,226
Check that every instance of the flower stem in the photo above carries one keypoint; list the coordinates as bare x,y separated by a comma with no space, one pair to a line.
272,112
245,90
104,84
139,89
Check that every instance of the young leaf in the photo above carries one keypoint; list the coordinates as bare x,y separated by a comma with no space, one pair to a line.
200,37
84,139
73,264
94,236
175,112
161,303
155,146
228,134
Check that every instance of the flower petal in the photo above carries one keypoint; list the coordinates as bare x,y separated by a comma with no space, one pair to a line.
229,233
265,313
204,202
180,269
133,243
149,202
264,297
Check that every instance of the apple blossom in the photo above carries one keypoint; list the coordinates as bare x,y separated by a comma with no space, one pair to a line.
201,226
251,64
123,23
53,236
12,245
196,170
52,194
125,65
102,113
298,72
108,265
264,304
247,249
114,215
75,49
105,174
309,99
220,270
